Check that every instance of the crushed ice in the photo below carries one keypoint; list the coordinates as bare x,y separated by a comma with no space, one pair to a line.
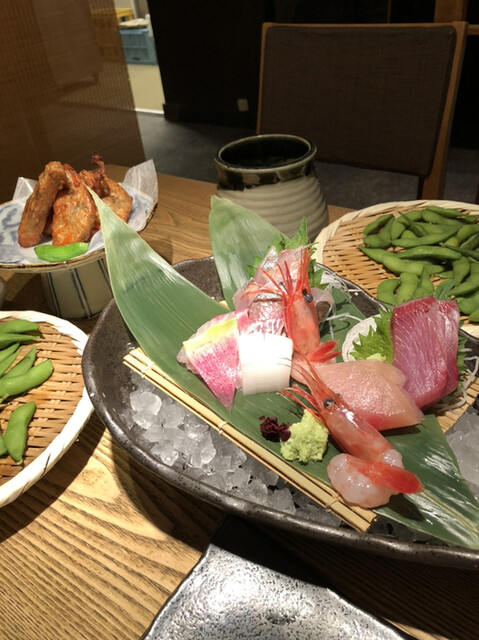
184,442
463,438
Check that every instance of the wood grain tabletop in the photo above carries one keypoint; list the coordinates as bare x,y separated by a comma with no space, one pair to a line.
95,548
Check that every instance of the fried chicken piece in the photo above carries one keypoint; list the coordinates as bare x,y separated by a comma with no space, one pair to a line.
119,201
39,204
112,194
74,212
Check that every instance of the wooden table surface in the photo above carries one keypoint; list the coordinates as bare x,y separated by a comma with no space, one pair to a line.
95,548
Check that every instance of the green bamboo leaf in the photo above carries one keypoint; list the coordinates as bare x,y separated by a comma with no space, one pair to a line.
446,501
229,223
162,309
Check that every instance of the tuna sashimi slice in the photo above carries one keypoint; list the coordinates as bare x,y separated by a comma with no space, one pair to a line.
213,355
373,389
425,338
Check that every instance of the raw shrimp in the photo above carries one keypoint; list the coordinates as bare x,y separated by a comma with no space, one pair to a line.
369,484
300,314
74,212
356,437
39,205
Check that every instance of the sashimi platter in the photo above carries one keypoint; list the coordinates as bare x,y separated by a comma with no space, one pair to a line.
350,408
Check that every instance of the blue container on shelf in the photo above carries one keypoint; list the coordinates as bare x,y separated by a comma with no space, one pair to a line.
138,45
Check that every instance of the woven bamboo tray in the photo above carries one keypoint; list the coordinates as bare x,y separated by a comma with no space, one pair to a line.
63,406
358,518
337,245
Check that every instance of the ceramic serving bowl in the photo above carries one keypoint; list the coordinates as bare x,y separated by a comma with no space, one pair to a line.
274,176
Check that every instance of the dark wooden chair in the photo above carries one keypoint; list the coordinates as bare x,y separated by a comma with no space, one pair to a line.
372,96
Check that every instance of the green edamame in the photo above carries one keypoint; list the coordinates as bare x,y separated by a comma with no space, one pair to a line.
18,325
408,285
429,227
470,284
397,228
7,339
3,446
6,353
386,289
377,224
436,218
6,362
470,253
427,240
425,286
472,242
397,264
468,304
431,253
411,216
32,378
51,253
446,213
466,231
15,437
460,269
408,233
24,365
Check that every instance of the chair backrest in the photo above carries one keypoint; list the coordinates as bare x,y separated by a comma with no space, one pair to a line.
373,96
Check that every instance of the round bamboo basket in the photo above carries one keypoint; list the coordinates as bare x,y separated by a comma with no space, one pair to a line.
62,403
337,246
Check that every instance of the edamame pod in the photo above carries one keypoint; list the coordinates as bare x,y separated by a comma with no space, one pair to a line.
394,263
431,253
386,289
7,339
51,253
3,447
377,224
425,286
460,269
6,362
472,242
434,217
408,233
429,227
377,240
397,228
15,437
470,253
468,304
19,384
427,240
412,216
408,285
24,365
7,352
446,212
465,232
18,325
471,284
